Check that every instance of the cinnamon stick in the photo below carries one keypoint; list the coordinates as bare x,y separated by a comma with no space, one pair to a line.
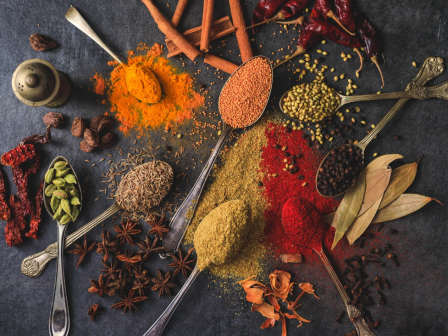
241,34
167,28
220,28
180,9
220,63
207,20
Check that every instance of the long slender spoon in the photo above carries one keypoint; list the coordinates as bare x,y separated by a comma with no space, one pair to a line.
59,324
184,214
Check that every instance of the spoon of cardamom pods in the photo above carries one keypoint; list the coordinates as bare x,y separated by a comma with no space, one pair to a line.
316,101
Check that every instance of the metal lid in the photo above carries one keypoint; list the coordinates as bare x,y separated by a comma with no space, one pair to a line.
35,82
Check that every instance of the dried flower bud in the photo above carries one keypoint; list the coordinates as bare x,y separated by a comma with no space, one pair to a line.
53,119
107,140
92,137
42,42
85,147
78,127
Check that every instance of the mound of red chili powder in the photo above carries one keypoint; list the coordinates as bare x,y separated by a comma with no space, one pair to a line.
280,185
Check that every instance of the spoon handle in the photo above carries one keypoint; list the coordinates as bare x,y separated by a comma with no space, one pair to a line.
33,265
353,313
73,16
59,316
159,325
184,214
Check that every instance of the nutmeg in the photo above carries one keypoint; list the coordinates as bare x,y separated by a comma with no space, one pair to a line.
42,42
105,125
107,140
92,137
96,122
85,147
53,119
78,127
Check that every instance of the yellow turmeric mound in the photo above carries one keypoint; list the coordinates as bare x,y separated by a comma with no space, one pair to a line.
143,84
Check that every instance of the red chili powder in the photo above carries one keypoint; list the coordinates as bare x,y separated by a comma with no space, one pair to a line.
99,84
285,185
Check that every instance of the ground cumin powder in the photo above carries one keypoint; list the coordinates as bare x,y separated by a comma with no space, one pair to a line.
237,178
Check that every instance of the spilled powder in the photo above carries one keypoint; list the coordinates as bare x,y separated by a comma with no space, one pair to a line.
99,84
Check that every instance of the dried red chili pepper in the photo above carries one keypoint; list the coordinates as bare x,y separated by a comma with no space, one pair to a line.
5,212
344,13
18,155
370,38
37,138
292,7
21,181
16,224
325,7
264,10
37,214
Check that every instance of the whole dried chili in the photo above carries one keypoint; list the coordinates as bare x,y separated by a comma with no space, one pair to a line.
16,224
370,38
344,13
37,214
325,7
264,10
37,138
5,212
292,7
18,155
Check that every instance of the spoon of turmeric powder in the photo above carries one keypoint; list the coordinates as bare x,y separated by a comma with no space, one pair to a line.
141,81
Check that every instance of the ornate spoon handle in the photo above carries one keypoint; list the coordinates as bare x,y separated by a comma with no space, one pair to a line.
353,313
35,264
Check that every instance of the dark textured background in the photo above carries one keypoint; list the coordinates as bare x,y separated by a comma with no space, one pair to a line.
410,30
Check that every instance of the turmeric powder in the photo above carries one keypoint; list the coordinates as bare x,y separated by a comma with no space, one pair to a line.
143,84
177,104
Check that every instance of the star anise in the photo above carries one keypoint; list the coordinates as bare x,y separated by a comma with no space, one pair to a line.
147,248
129,259
128,302
181,263
141,280
82,251
108,245
93,311
99,287
119,283
125,231
111,270
163,283
158,227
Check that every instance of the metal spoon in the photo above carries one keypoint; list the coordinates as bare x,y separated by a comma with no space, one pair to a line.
431,68
183,216
421,93
59,316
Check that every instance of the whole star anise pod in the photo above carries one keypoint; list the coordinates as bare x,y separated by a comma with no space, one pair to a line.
82,251
94,310
128,302
163,283
119,283
108,245
125,231
129,259
111,270
158,227
99,287
141,280
181,263
147,248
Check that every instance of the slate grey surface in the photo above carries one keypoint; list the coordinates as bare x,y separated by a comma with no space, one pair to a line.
410,31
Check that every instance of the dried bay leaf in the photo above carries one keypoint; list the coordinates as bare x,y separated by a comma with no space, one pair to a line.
382,162
329,218
376,183
401,178
349,208
362,222
404,205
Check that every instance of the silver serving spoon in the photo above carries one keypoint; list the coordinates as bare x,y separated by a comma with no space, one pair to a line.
421,93
183,216
59,316
431,68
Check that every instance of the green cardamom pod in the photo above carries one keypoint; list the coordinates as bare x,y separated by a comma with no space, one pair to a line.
66,205
49,190
49,175
59,182
70,178
65,219
69,186
74,193
75,201
75,212
62,172
59,213
60,194
60,165
54,203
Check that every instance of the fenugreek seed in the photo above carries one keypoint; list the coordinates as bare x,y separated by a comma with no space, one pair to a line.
373,125
362,48
306,10
323,42
307,59
347,110
304,184
307,55
342,76
414,64
354,86
324,53
363,122
301,61
375,154
179,136
335,78
357,74
87,161
304,72
285,26
353,120
342,118
331,139
342,55
349,56
379,92
332,70
319,51
316,61
349,80
351,91
219,132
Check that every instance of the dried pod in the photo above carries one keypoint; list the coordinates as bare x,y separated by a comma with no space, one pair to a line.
95,122
42,42
78,127
107,140
92,137
85,147
105,125
53,119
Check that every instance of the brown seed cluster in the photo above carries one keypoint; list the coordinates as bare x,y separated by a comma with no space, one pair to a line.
246,93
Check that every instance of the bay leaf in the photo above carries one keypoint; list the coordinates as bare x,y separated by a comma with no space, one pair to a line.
349,208
404,205
400,180
382,162
329,218
362,222
376,183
